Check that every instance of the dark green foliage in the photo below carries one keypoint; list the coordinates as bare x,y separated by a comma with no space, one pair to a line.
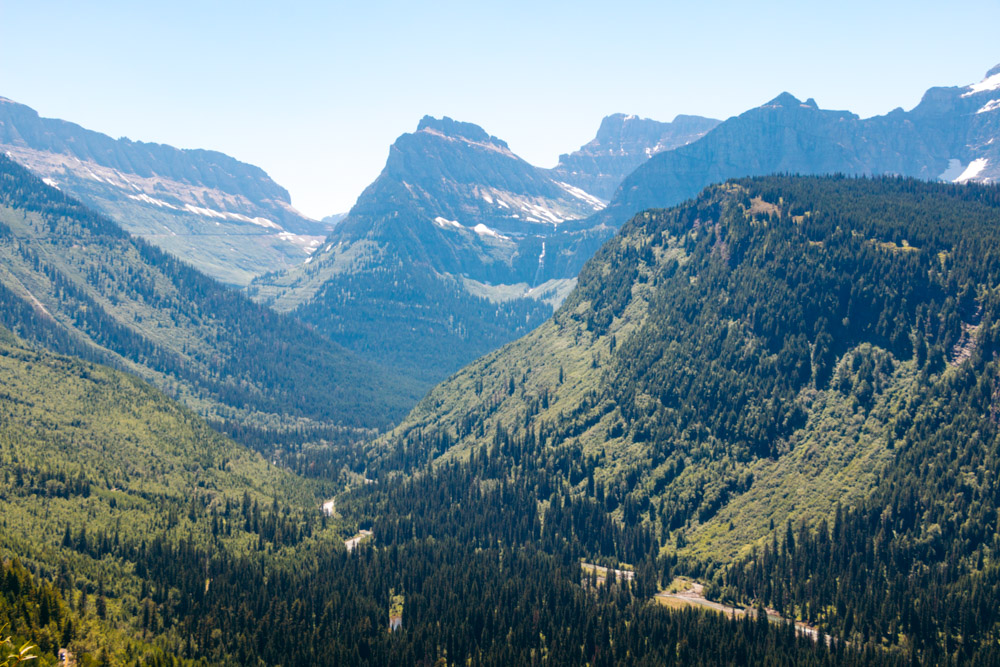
916,563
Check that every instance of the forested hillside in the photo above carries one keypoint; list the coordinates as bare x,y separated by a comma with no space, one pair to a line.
784,389
101,476
132,533
731,371
76,282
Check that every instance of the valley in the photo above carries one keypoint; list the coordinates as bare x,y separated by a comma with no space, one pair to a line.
705,392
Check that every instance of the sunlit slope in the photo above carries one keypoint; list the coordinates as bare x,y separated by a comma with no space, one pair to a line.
736,361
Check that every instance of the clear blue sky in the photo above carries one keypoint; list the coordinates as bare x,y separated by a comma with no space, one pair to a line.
315,92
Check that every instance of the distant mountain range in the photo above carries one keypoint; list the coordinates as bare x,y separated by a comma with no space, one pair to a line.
624,142
951,135
225,217
459,245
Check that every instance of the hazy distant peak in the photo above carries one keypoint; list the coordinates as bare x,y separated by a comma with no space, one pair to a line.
457,129
995,70
785,100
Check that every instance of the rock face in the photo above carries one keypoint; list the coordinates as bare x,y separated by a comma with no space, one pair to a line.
460,244
458,199
622,144
225,217
949,136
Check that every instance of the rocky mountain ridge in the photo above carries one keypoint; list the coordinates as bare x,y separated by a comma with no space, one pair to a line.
226,217
624,142
951,135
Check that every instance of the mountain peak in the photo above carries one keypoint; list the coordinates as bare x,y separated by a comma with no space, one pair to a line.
995,70
450,127
787,100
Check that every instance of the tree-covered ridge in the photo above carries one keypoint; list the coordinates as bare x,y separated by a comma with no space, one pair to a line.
74,280
744,360
225,217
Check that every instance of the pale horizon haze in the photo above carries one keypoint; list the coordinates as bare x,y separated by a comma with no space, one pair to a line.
315,92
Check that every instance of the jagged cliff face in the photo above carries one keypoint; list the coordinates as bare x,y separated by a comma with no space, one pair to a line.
458,247
225,217
951,135
456,200
455,186
621,145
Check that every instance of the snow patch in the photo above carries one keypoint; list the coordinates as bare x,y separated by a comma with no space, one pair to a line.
540,212
446,223
992,105
486,198
989,83
502,204
595,203
263,222
974,169
146,199
226,215
205,212
49,182
483,230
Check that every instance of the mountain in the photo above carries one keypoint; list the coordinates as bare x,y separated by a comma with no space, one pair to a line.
457,199
225,217
948,136
457,247
622,144
75,281
781,362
